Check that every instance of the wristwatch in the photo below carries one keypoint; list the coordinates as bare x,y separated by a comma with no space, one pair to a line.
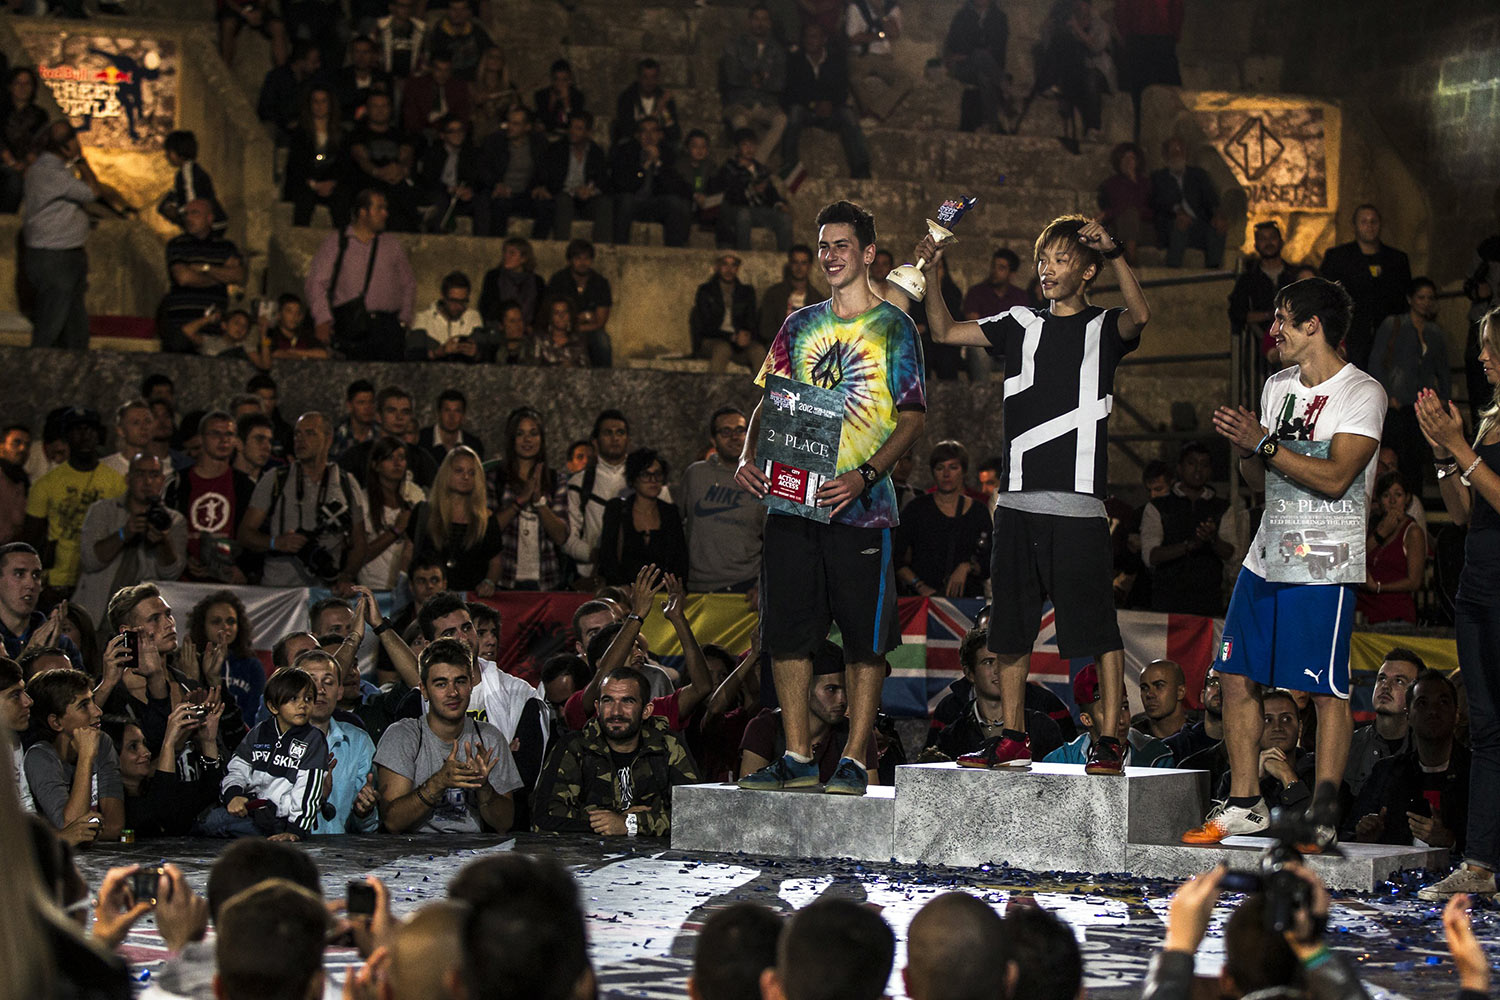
383,627
632,824
1112,254
1267,448
868,474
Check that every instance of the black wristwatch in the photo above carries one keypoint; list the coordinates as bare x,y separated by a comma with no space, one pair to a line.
383,627
1267,448
868,474
1112,254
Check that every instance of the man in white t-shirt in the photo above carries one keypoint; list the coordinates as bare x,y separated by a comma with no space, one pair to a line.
1283,634
133,427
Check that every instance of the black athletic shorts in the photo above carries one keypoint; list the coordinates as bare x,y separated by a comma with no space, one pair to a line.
1067,559
814,575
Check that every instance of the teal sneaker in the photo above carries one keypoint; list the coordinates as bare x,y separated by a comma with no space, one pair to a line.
848,779
782,773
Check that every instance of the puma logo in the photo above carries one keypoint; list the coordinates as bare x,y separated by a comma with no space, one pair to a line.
1317,677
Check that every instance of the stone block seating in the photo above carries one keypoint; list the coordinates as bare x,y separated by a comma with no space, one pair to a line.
1052,817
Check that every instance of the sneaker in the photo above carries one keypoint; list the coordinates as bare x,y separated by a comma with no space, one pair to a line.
1230,821
782,773
1106,756
1002,751
848,779
1474,881
1323,817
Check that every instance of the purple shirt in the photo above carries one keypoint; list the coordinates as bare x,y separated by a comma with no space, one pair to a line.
984,300
393,288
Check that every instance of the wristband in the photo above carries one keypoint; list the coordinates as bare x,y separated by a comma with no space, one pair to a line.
632,824
1317,958
122,534
1463,477
635,618
1117,252
384,626
423,799
273,543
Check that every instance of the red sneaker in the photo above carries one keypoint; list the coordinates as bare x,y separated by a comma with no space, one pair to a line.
1002,751
1106,756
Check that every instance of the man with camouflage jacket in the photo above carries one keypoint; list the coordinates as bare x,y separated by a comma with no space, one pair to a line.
615,777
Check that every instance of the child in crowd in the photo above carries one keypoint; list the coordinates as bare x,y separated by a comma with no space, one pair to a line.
278,778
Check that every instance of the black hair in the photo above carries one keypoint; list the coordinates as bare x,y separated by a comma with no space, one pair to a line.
610,414
1048,963
957,949
974,640
389,393
27,660
1418,283
524,936
260,381
581,116
449,652
848,213
286,684
153,380
836,949
1405,655
452,395
1155,469
638,461
182,142
439,606
478,611
454,279
628,673
16,548
570,664
696,133
10,673
600,643
743,135
1327,300
1193,448
365,199
1009,256
559,66
1429,675
1255,956
735,945
576,247
358,386
723,411
247,423
278,651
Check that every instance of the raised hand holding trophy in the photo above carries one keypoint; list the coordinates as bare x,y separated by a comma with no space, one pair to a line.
909,277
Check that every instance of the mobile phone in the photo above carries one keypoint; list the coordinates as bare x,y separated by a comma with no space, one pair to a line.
1419,805
359,898
144,883
132,649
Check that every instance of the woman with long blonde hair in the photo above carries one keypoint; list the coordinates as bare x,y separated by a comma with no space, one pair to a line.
1469,479
455,525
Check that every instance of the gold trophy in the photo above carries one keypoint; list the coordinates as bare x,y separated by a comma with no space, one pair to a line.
909,277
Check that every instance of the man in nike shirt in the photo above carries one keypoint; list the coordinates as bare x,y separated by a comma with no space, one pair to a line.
723,520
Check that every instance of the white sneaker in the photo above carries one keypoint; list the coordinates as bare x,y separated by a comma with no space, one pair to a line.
1474,881
1230,821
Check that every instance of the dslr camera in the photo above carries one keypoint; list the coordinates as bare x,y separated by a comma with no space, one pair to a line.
157,515
1286,894
323,539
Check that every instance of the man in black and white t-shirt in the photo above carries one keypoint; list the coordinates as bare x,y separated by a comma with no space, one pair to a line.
1289,634
1051,536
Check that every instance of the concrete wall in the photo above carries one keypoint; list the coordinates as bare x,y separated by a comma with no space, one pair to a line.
1429,75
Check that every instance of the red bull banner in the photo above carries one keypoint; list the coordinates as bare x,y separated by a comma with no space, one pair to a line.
119,93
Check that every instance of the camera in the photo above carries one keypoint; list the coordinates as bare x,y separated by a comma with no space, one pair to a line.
1285,892
157,515
144,883
317,555
359,897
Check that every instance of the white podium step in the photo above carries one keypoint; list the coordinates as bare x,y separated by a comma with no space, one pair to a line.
1053,817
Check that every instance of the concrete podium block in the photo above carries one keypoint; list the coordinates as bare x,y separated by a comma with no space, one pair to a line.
802,823
1363,867
1051,817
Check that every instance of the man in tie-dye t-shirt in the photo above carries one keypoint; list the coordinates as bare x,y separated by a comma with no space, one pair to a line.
814,575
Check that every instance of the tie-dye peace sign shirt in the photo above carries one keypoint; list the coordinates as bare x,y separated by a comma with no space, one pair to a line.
875,360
